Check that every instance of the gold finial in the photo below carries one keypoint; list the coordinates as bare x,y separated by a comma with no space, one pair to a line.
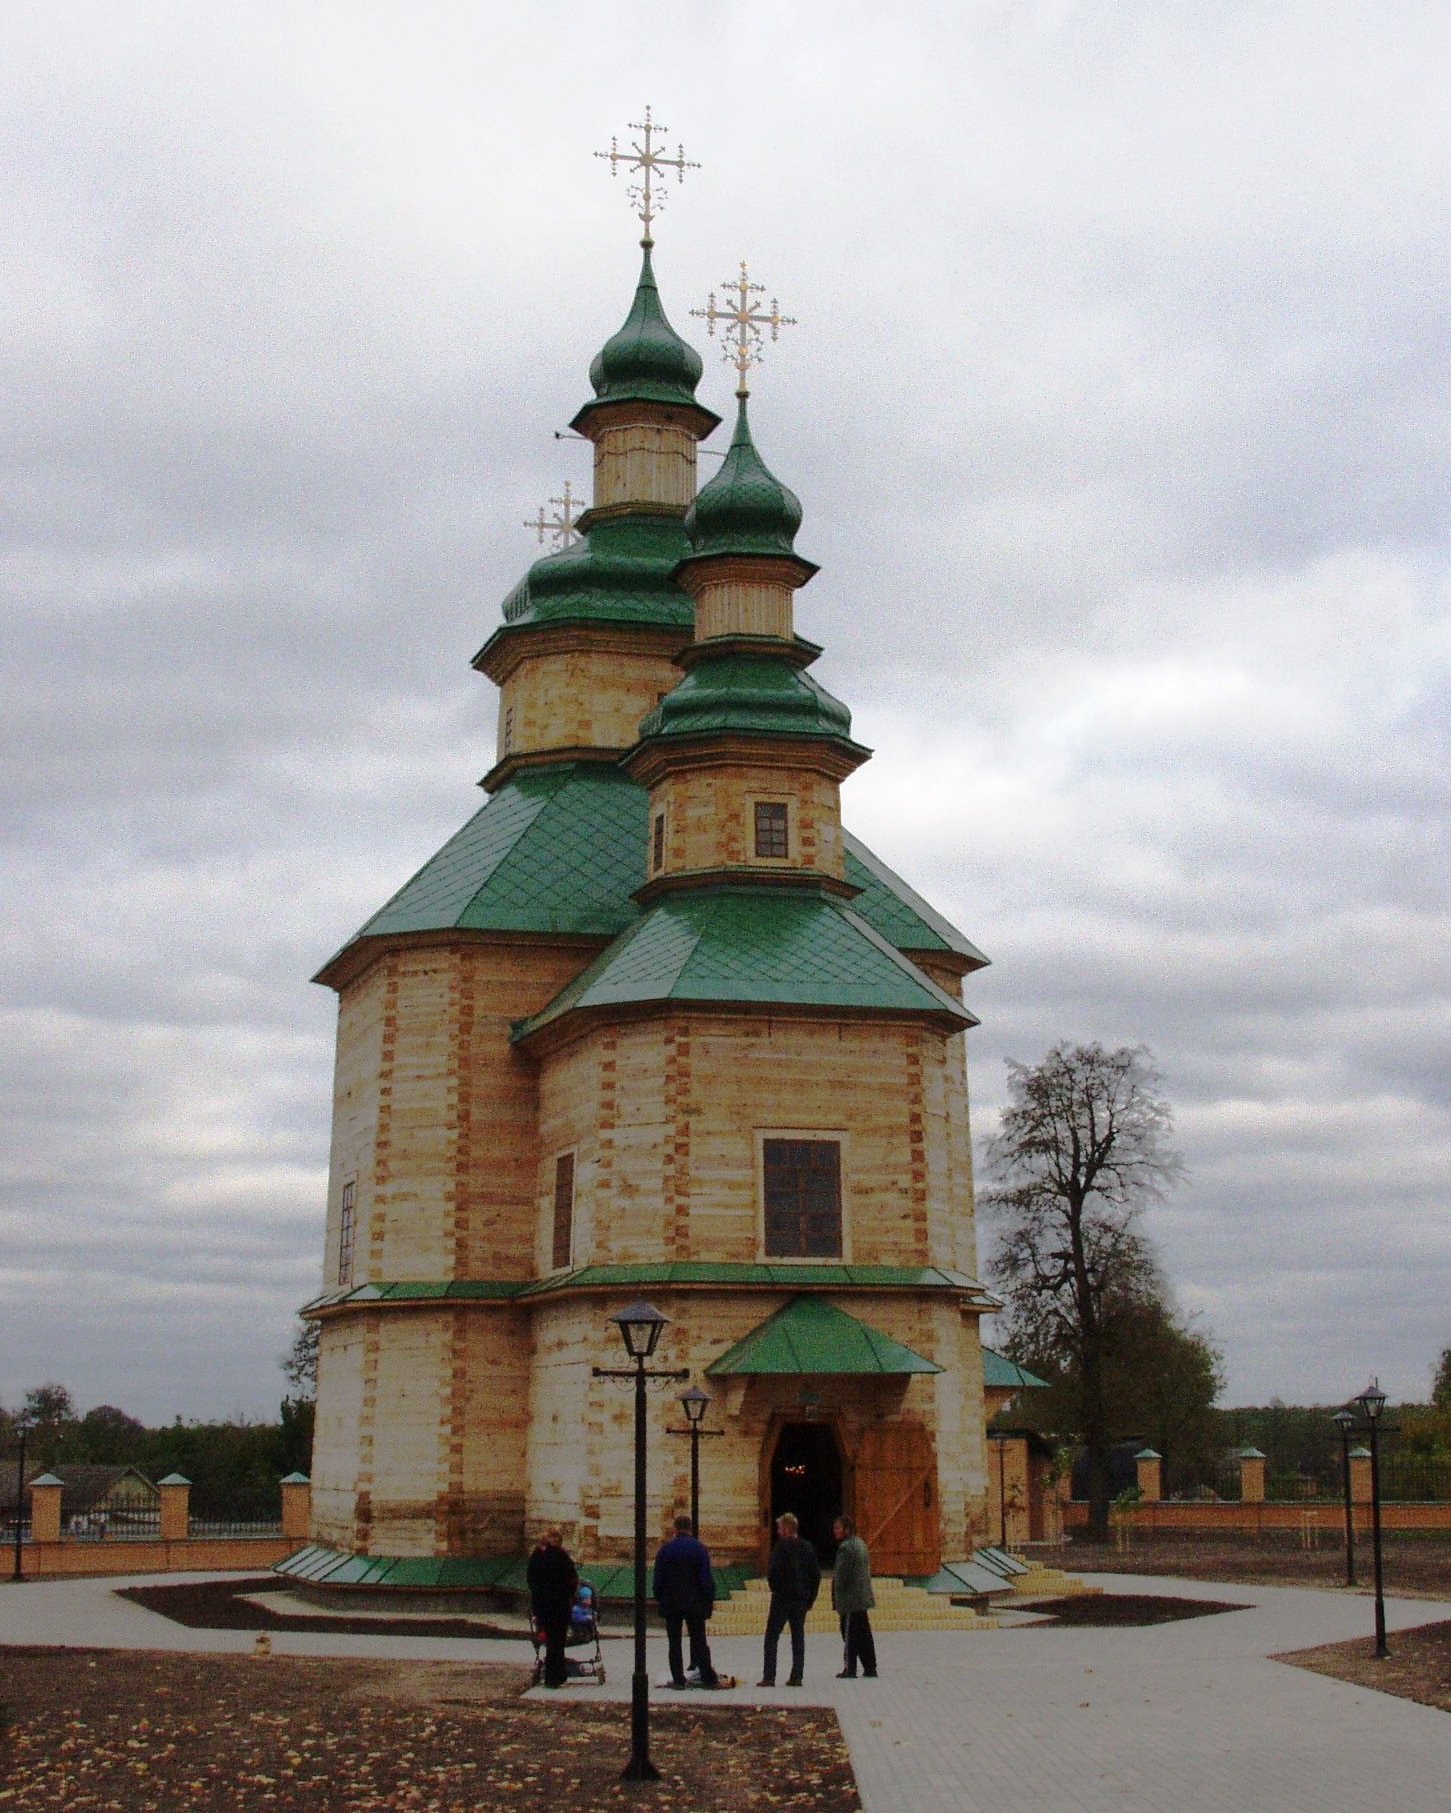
559,527
742,336
642,156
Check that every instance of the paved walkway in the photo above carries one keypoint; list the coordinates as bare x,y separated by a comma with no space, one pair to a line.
1176,1718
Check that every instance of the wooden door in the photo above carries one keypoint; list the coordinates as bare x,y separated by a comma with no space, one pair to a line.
897,1512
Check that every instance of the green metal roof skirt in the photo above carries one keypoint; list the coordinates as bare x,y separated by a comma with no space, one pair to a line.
781,1275
810,1336
1002,1374
756,946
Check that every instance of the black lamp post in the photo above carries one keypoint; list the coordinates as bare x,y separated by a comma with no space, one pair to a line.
1372,1402
639,1325
22,1428
694,1403
1345,1422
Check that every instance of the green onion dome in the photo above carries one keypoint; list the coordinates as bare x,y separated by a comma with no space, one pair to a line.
744,509
646,361
621,572
750,694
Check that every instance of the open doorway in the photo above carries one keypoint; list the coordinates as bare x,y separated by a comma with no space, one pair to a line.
806,1479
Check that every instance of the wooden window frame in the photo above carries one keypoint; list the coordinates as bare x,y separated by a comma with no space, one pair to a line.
775,1137
347,1233
562,1225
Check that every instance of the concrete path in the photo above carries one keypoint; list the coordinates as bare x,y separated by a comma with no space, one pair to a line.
1177,1718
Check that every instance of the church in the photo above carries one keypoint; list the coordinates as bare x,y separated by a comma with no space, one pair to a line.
653,1024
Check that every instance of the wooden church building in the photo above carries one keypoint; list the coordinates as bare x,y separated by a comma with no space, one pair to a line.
652,1024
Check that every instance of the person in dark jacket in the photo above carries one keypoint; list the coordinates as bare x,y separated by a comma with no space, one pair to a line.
684,1589
794,1577
851,1594
553,1582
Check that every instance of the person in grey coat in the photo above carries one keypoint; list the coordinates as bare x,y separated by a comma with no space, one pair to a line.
852,1598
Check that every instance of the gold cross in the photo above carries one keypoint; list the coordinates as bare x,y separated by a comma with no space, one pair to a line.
646,200
559,527
743,338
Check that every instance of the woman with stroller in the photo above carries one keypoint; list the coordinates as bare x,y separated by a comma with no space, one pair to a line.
553,1582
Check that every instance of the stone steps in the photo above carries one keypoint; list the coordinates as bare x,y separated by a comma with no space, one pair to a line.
898,1607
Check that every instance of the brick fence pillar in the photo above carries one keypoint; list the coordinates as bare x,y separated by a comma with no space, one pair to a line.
1360,1476
1150,1465
175,1507
1251,1476
296,1507
45,1491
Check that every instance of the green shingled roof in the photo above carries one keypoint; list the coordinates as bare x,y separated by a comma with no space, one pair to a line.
754,694
897,911
620,572
562,849
1002,1374
745,509
557,849
754,945
661,1275
645,360
811,1336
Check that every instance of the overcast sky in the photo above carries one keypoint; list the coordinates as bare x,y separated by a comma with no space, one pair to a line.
1118,408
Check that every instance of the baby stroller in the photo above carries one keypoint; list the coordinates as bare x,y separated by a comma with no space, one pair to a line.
583,1634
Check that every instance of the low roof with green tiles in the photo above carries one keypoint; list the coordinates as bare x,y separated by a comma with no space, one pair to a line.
810,1336
1002,1374
562,849
758,946
557,849
897,911
671,1274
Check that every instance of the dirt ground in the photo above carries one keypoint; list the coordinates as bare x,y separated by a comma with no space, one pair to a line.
1415,1567
1108,1611
146,1732
1417,1668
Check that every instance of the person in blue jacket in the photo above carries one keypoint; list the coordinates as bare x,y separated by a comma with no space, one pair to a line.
684,1588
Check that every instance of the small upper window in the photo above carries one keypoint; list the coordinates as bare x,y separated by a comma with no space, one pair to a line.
346,1236
771,829
508,730
657,848
803,1198
563,1210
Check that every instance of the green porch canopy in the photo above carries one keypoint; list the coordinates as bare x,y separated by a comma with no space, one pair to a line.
810,1336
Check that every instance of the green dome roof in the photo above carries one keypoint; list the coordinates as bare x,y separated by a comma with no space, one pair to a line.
646,361
621,572
744,509
760,695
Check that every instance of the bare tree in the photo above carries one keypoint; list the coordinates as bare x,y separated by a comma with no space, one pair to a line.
1084,1144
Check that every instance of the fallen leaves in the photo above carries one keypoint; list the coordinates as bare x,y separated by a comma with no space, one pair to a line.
141,1733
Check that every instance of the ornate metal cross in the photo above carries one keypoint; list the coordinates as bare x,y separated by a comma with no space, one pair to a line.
559,527
743,337
645,198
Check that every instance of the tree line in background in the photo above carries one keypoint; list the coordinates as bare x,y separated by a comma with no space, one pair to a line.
234,1466
1083,1147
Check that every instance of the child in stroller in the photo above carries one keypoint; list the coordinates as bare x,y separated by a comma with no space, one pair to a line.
583,1634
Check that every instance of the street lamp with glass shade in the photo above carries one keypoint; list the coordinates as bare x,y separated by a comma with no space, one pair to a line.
640,1325
1345,1422
1372,1402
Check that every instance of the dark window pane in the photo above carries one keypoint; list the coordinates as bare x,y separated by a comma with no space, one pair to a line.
771,838
803,1198
563,1209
